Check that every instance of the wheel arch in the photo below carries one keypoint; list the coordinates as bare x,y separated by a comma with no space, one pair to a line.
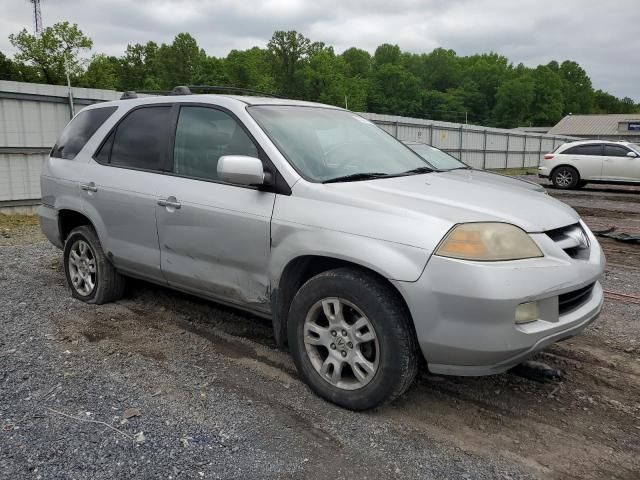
304,267
68,219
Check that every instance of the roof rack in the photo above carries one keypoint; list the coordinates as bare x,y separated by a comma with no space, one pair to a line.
224,88
187,90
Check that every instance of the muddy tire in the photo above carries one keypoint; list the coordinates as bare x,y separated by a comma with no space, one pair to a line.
90,275
565,178
352,339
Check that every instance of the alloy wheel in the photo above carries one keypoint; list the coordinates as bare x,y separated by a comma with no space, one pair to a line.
341,343
564,178
82,268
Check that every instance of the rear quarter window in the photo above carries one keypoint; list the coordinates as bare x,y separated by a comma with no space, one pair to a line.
78,132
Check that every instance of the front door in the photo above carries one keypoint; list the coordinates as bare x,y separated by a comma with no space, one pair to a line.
214,237
618,166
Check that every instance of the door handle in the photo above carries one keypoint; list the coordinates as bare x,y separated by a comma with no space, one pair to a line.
89,187
169,202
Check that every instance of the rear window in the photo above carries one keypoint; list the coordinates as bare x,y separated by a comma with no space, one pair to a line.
78,132
140,139
591,149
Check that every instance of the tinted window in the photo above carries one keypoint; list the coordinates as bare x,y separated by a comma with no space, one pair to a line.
140,139
592,149
615,151
105,151
204,135
76,135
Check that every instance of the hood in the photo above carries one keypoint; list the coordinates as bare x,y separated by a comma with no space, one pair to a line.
418,210
496,179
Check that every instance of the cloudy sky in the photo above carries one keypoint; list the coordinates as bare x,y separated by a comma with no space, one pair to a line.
600,35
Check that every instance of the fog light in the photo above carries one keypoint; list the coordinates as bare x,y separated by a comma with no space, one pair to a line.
527,312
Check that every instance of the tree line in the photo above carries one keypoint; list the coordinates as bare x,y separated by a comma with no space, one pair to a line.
485,89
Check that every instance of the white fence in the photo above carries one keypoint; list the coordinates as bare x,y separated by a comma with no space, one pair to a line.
31,119
33,115
480,147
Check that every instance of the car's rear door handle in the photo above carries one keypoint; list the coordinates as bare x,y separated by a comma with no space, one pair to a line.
89,187
171,202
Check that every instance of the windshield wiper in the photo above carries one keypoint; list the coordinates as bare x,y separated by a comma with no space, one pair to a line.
460,168
420,170
354,177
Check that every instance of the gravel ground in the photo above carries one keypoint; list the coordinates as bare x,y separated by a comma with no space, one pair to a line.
164,385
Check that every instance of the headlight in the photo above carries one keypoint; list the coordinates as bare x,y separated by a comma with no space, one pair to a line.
488,242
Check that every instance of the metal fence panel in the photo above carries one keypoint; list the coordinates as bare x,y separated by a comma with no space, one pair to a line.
20,176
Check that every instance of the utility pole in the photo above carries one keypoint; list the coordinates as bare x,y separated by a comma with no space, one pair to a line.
72,109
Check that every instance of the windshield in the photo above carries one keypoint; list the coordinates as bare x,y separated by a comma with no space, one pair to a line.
323,144
436,157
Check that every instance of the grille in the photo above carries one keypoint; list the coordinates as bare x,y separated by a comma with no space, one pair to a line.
572,300
572,239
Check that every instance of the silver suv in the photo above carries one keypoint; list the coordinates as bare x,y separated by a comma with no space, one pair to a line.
362,254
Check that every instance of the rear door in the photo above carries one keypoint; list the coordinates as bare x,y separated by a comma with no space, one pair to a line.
618,166
119,188
214,236
587,159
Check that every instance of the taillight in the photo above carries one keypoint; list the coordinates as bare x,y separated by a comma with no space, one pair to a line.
548,156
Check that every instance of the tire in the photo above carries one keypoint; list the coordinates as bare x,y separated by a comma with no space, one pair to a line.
90,275
565,178
385,365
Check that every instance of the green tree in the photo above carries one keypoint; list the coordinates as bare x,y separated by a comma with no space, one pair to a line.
442,106
289,51
387,54
394,91
102,72
577,88
249,69
56,49
513,102
139,68
357,61
8,70
548,99
441,70
180,62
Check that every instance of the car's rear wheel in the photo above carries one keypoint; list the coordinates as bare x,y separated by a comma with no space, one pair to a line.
351,339
90,275
565,178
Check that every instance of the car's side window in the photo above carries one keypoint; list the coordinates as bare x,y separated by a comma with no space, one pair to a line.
139,141
615,151
591,149
76,135
203,135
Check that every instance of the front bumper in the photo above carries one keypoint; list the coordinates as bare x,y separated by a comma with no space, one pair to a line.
464,311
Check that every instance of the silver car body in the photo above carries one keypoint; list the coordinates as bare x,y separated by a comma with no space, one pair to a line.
232,244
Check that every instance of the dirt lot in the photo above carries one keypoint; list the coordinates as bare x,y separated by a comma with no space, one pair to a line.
209,396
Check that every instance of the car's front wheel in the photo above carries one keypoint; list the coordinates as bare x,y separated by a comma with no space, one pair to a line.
351,339
90,274
565,178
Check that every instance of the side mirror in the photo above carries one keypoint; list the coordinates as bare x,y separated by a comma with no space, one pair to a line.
241,170
632,154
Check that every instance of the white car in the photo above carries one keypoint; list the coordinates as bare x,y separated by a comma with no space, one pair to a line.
573,165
